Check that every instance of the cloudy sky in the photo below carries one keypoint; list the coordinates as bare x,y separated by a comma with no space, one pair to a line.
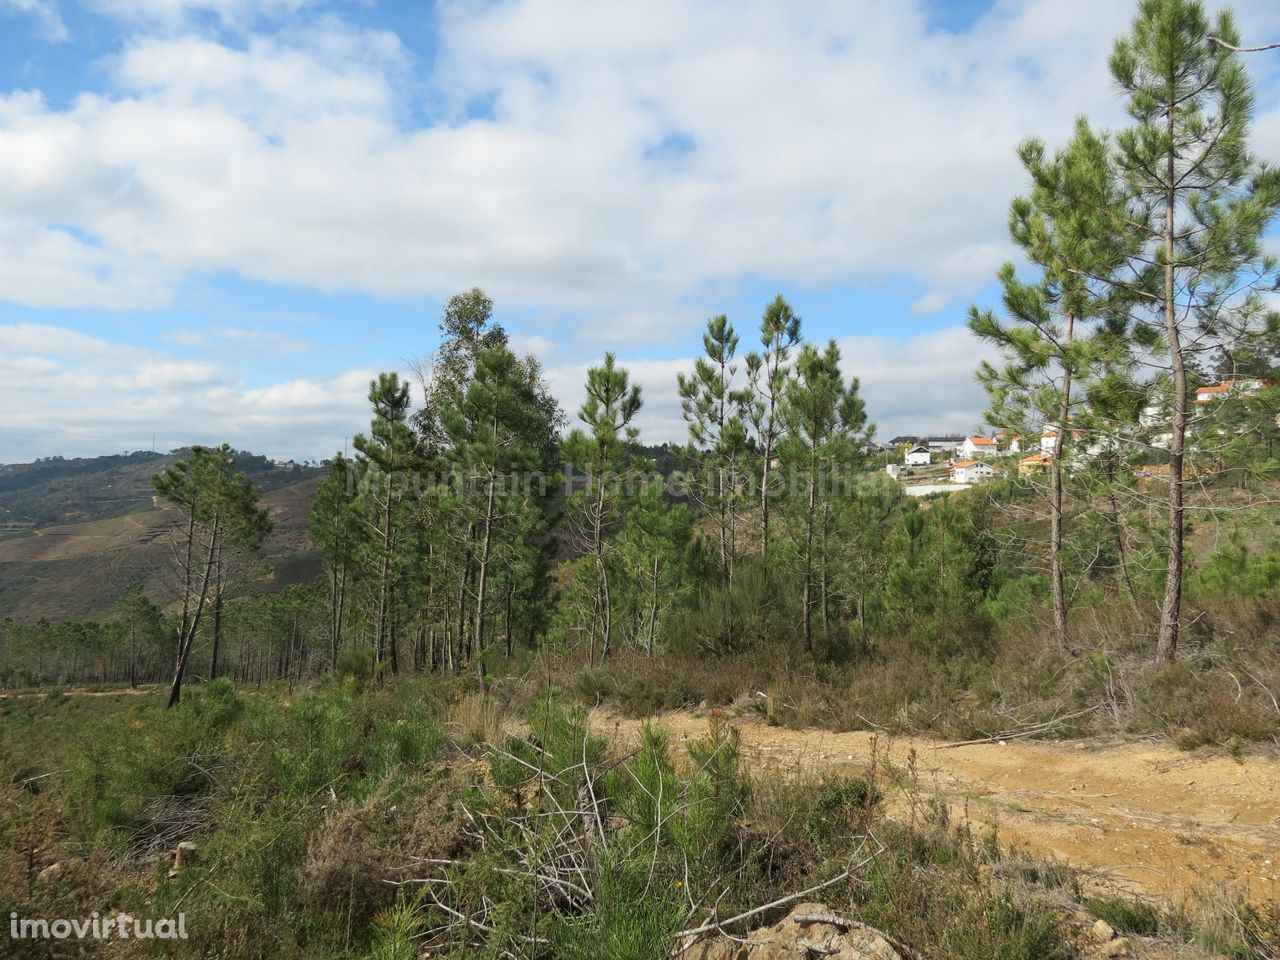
218,218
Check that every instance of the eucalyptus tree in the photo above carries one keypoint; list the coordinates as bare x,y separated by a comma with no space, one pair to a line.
718,437
1200,203
767,378
605,451
217,506
1066,321
826,431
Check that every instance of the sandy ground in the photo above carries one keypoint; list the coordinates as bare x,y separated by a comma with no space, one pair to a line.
1144,817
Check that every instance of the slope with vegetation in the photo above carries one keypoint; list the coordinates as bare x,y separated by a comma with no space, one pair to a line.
343,773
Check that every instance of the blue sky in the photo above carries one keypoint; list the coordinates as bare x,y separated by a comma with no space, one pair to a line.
219,217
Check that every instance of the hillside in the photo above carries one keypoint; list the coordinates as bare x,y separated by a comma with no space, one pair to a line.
79,531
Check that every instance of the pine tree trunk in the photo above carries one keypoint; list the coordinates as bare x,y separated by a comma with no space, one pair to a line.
187,641
482,571
808,566
1171,607
1056,576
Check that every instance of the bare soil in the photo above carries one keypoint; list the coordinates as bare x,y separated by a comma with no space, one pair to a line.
1138,816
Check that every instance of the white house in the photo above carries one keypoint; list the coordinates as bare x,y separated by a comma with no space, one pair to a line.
892,469
945,444
978,447
1012,440
971,471
1244,385
917,456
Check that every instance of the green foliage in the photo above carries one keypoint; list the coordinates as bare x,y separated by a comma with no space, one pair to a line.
357,666
1236,570
633,920
753,610
1127,916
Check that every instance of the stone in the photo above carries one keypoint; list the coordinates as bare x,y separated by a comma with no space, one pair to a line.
183,856
50,873
1118,947
810,930
1102,931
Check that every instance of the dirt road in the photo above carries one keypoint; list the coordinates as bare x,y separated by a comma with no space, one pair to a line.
1141,816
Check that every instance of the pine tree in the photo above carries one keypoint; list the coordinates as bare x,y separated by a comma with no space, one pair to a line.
336,528
218,506
605,452
718,438
654,551
502,437
767,376
1200,203
1066,321
387,457
826,429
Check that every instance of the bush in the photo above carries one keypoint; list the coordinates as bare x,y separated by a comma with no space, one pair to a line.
1127,916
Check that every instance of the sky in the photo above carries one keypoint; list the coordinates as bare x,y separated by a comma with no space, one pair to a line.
220,218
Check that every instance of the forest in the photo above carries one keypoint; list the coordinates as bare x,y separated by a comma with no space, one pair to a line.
341,750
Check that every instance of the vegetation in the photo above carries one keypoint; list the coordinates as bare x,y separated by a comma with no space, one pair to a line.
396,757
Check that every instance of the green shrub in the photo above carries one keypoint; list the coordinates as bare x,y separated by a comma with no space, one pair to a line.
1127,916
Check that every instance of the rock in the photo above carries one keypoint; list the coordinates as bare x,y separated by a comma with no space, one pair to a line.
50,873
809,931
183,856
1118,947
1102,931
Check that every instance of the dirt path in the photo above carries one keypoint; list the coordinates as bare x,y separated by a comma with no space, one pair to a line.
1141,816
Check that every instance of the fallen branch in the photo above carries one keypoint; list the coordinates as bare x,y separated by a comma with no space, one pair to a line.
718,925
1023,733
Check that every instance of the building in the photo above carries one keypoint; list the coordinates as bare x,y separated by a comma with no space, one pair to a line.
1243,385
1034,464
1011,441
979,447
971,471
917,456
943,444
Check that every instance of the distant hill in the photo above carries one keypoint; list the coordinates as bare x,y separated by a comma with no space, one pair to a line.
75,532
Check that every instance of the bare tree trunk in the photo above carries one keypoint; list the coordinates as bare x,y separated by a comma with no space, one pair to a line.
191,626
509,631
1171,607
219,584
808,566
482,569
653,605
1057,578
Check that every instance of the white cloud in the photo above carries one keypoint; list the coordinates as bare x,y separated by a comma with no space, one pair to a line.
45,12
929,303
828,143
237,340
65,391
919,385
235,13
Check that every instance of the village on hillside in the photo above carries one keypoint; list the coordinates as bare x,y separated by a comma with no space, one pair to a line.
942,463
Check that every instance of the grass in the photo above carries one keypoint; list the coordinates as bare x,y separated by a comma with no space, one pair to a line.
308,808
